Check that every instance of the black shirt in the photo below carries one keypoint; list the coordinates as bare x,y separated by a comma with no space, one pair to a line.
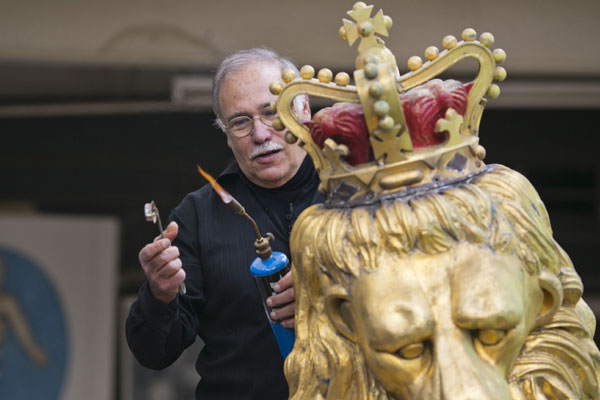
240,359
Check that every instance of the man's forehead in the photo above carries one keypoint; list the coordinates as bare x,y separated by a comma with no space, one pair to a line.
253,72
247,89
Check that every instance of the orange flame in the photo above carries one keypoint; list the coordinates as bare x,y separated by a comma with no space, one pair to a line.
225,196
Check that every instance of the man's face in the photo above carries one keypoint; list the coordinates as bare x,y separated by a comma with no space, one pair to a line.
264,156
445,326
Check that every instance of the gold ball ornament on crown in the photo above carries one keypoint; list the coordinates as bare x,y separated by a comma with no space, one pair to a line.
342,32
359,5
449,42
325,75
387,22
431,53
376,90
275,88
469,35
290,138
386,123
307,72
371,70
494,91
342,79
499,55
499,74
278,125
288,75
365,28
381,108
414,63
487,39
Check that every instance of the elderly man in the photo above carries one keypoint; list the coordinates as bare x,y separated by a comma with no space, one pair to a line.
211,247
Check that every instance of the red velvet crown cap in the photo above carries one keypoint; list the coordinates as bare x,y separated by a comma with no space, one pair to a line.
422,106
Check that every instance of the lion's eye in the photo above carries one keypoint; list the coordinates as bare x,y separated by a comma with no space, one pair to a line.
490,337
411,351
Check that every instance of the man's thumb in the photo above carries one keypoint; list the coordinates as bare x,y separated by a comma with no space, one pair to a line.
171,231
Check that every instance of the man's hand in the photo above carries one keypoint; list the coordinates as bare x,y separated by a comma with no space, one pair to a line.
162,266
283,303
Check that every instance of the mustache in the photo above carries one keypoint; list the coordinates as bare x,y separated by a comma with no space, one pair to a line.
263,148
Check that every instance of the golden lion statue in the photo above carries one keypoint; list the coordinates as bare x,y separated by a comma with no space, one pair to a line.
456,293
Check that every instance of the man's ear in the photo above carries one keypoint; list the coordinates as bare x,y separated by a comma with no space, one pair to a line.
553,297
228,140
337,308
305,114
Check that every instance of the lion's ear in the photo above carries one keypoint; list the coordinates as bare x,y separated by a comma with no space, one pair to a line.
337,308
553,297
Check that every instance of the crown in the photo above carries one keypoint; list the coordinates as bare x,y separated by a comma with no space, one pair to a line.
404,155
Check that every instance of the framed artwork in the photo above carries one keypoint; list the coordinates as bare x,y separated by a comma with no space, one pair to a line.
57,307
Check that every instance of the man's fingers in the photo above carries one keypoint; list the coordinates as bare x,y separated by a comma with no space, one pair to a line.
288,323
284,283
162,266
152,249
283,313
166,290
168,270
282,298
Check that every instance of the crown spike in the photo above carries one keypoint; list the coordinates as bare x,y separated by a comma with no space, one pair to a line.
351,31
361,14
379,24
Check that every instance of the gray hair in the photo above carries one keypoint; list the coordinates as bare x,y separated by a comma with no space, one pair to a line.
237,62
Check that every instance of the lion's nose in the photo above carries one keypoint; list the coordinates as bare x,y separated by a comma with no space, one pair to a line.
463,373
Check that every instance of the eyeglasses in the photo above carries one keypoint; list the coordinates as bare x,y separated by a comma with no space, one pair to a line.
242,126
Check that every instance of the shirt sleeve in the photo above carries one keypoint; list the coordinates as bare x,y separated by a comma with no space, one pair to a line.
157,333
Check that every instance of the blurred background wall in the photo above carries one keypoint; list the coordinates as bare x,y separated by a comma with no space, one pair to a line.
105,105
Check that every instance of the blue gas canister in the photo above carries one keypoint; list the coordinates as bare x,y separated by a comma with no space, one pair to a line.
267,272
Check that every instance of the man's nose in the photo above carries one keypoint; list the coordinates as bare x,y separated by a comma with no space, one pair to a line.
464,374
260,132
